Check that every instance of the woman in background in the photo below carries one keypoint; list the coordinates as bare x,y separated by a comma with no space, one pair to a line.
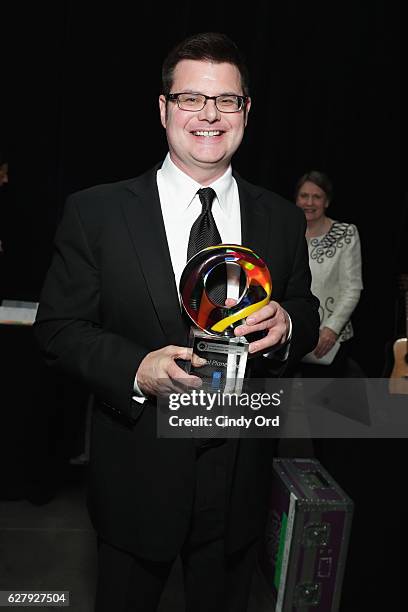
335,263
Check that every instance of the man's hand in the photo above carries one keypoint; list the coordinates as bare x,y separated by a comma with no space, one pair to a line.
159,374
272,319
327,338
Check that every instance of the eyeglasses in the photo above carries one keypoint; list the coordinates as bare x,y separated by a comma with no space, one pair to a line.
196,102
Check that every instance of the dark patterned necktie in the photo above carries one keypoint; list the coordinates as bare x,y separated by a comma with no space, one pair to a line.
204,230
204,233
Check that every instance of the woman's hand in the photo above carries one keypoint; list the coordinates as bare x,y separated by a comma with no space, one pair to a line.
327,338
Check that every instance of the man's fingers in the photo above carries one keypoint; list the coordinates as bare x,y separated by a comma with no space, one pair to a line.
158,370
179,352
186,354
266,312
265,318
270,318
263,345
243,330
178,374
198,361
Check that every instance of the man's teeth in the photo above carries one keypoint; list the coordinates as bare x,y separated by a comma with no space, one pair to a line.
207,133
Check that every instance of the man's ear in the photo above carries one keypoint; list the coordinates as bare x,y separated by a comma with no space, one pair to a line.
163,110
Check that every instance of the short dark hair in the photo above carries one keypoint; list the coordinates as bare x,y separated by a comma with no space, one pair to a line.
318,178
208,46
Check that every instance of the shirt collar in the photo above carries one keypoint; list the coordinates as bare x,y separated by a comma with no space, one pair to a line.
184,188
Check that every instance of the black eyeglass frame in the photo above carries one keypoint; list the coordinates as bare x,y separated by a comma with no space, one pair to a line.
173,97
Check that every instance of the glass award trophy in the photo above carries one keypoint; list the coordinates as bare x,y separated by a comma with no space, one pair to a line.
212,333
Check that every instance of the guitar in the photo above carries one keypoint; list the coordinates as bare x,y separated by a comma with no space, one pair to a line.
398,382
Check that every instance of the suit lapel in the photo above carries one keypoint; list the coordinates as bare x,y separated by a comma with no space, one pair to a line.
145,222
255,221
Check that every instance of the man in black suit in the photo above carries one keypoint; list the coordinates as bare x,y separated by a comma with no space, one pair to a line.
110,316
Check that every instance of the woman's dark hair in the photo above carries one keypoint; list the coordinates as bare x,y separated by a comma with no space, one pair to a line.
207,46
318,178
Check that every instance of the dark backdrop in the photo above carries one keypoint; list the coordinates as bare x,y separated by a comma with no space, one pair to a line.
81,81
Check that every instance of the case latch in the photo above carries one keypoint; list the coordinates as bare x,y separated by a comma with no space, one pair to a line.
316,534
307,594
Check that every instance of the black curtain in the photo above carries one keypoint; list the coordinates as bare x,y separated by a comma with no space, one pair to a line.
80,85
81,88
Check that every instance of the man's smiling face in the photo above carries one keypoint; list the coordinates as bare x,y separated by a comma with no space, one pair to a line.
202,143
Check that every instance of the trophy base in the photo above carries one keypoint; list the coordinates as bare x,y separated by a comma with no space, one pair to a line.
226,361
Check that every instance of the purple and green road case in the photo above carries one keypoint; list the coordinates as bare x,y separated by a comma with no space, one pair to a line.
306,537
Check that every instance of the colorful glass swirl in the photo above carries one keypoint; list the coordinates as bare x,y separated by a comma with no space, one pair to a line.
213,318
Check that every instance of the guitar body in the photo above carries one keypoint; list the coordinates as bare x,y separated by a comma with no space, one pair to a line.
398,382
399,376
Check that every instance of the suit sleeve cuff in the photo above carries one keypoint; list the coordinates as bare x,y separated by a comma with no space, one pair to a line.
138,396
